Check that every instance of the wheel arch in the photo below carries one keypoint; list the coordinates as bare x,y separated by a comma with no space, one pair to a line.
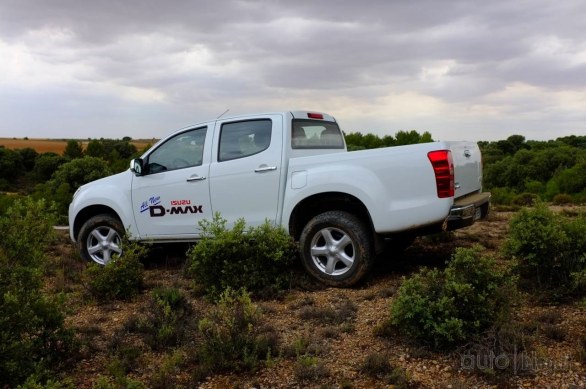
315,204
89,212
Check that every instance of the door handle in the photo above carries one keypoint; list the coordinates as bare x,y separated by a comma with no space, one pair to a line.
196,178
265,169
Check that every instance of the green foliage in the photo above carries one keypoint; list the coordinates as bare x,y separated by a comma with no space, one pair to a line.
7,200
502,196
11,165
358,141
548,247
73,150
310,368
542,168
445,308
165,377
116,152
121,278
255,258
33,382
28,157
234,338
166,320
525,199
68,178
33,338
561,199
45,165
119,381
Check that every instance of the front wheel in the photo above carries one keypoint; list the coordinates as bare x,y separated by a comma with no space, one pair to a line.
336,248
100,238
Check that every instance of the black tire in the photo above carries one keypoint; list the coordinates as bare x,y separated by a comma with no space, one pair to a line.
99,238
336,248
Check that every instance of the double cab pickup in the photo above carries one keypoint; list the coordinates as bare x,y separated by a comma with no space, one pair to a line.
293,169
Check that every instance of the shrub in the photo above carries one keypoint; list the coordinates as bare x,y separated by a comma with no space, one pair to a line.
310,368
377,365
255,258
119,279
502,196
525,199
234,337
562,198
444,308
166,319
33,337
67,178
166,376
548,248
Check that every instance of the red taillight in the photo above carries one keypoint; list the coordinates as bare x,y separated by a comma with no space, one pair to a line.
443,167
315,115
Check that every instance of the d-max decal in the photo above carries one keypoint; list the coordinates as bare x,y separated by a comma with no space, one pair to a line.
159,210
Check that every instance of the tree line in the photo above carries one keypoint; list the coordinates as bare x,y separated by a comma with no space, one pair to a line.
56,177
515,169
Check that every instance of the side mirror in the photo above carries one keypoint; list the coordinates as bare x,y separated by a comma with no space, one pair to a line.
136,166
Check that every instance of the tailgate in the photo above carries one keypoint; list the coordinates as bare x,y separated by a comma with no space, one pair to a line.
467,167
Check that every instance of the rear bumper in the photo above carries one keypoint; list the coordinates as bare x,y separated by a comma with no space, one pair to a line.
466,210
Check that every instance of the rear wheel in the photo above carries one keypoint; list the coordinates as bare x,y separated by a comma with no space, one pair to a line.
100,238
336,248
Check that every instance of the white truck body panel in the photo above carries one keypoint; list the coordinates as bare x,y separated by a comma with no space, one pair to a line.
396,184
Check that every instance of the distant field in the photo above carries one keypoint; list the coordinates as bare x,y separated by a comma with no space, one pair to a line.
53,145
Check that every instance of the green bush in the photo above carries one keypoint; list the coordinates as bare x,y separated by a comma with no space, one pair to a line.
166,320
444,308
502,196
255,258
33,337
525,199
548,247
310,368
67,178
121,278
561,199
234,338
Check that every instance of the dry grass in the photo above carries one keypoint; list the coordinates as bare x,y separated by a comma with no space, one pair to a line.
54,145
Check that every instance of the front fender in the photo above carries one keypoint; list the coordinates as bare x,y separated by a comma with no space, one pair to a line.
113,192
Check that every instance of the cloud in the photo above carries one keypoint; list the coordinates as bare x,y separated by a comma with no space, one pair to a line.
456,68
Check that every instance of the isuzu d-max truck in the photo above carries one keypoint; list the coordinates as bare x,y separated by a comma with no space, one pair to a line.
293,169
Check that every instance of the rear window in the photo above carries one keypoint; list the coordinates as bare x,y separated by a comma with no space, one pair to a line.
316,134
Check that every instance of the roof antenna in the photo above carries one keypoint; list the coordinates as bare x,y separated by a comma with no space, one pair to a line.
223,113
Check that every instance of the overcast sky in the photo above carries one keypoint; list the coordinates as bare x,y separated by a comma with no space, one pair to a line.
477,70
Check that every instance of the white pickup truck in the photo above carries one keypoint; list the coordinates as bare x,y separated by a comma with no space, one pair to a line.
293,169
